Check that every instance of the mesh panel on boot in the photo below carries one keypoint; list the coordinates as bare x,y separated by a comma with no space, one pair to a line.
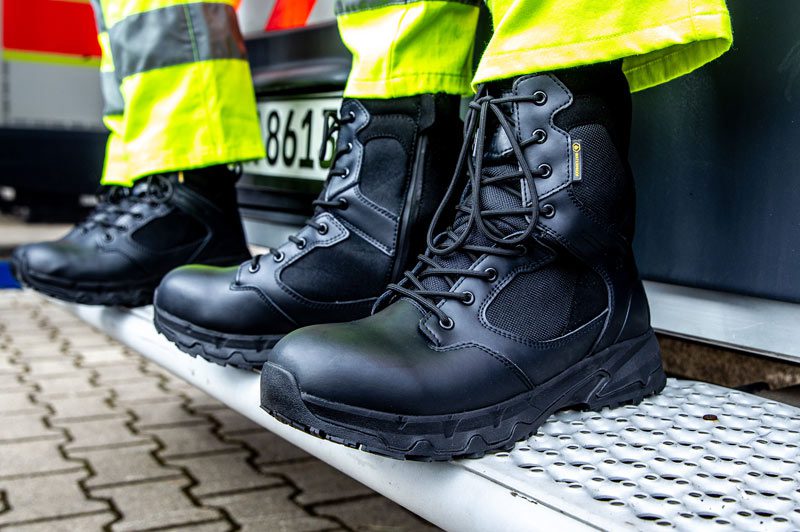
173,230
602,189
492,197
382,177
352,269
547,303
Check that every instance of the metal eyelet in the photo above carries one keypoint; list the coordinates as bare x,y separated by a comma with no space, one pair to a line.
521,249
545,170
492,274
344,203
253,268
468,298
352,115
539,136
349,147
302,243
447,323
539,97
323,228
346,173
548,211
278,256
108,237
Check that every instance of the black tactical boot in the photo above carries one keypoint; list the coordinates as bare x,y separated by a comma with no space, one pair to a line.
528,303
120,253
392,164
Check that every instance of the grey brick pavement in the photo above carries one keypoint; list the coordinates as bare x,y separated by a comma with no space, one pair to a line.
94,437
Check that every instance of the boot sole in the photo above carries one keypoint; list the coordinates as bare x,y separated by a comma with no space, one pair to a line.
104,294
240,351
86,293
624,373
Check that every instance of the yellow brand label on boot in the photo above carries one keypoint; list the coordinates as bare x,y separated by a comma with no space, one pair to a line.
577,161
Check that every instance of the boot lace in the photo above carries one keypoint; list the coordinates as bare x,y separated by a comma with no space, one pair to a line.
333,124
474,217
151,191
109,198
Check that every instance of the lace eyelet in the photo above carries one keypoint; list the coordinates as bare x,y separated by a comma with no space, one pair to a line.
323,228
349,147
346,173
521,249
447,323
278,256
545,170
302,243
548,211
468,298
491,274
539,97
108,237
351,115
539,136
253,268
345,204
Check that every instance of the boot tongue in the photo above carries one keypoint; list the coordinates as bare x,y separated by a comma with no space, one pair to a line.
498,159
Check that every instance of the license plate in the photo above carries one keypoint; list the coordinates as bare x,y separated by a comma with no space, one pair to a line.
292,130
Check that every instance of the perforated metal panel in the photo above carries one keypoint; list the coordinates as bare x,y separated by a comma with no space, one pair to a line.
696,457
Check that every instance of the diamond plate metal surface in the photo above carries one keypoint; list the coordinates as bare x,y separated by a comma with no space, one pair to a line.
695,457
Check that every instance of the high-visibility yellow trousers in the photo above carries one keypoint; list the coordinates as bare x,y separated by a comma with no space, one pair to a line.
407,47
177,87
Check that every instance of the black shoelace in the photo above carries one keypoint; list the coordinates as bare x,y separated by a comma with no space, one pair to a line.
153,190
109,198
474,218
332,127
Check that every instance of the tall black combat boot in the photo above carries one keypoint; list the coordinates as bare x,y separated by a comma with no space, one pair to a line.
392,164
529,302
120,253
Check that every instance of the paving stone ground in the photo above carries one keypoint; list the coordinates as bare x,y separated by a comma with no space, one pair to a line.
94,437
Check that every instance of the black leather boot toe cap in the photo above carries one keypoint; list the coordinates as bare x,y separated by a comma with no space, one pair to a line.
71,263
44,258
384,363
188,291
210,298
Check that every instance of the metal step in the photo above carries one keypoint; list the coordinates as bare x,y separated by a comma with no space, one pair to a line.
756,325
695,457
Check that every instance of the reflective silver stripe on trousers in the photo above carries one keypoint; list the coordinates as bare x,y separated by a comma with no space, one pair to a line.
112,97
342,7
175,35
98,16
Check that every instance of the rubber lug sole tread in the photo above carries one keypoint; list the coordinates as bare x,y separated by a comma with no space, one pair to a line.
131,297
280,389
215,352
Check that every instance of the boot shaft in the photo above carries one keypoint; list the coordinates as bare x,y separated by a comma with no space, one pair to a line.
401,161
573,126
543,230
391,162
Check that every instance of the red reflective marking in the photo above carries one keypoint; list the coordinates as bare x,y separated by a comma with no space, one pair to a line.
289,14
50,26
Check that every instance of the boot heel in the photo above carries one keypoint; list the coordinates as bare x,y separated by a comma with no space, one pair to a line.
627,373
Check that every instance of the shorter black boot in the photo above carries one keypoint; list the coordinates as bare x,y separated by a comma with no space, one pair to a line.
392,164
527,303
123,249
